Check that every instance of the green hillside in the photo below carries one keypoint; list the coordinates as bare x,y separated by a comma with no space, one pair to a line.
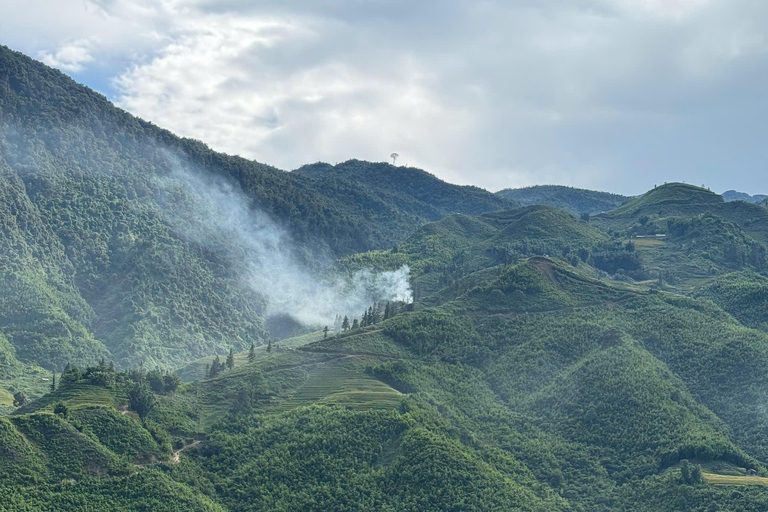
576,394
742,294
411,190
572,200
548,362
106,249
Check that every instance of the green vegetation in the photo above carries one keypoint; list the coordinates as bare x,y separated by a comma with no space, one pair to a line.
572,200
610,361
93,259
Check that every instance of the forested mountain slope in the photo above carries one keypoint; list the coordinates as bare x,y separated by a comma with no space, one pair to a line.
108,252
411,190
573,200
549,361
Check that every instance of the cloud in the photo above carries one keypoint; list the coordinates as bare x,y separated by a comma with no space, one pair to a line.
613,94
70,57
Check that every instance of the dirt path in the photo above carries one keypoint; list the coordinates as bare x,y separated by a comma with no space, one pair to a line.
177,454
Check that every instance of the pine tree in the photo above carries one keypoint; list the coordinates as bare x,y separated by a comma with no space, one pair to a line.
215,368
387,311
325,332
53,381
355,324
231,359
269,345
207,371
252,354
345,323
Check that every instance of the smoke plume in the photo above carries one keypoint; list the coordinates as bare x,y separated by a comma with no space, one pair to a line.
294,280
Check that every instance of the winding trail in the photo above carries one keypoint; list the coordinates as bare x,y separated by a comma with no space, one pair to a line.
177,454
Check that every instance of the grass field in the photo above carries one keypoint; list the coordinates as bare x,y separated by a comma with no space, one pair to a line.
335,385
643,243
75,397
734,480
6,398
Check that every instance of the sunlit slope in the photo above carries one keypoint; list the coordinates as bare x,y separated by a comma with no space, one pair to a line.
681,200
742,294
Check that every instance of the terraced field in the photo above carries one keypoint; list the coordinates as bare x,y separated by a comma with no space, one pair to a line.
715,479
196,369
76,397
335,385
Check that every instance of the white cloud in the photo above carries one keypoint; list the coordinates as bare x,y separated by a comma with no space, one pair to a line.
597,93
70,57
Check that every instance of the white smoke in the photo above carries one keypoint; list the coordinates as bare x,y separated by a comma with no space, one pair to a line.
293,280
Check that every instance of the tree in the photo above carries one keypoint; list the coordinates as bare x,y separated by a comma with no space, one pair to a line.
269,345
394,157
244,399
345,324
171,382
325,332
53,381
19,399
155,379
60,410
252,354
696,475
142,399
355,324
690,473
231,359
215,368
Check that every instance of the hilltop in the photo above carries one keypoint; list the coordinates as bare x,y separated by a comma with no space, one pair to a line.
410,189
573,200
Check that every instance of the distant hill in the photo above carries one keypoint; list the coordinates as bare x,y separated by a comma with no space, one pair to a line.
412,190
574,200
732,195
681,200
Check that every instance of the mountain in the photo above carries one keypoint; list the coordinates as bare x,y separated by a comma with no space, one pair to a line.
573,200
412,190
574,393
124,241
547,361
732,195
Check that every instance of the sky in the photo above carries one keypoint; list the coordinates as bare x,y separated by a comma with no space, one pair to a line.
616,95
